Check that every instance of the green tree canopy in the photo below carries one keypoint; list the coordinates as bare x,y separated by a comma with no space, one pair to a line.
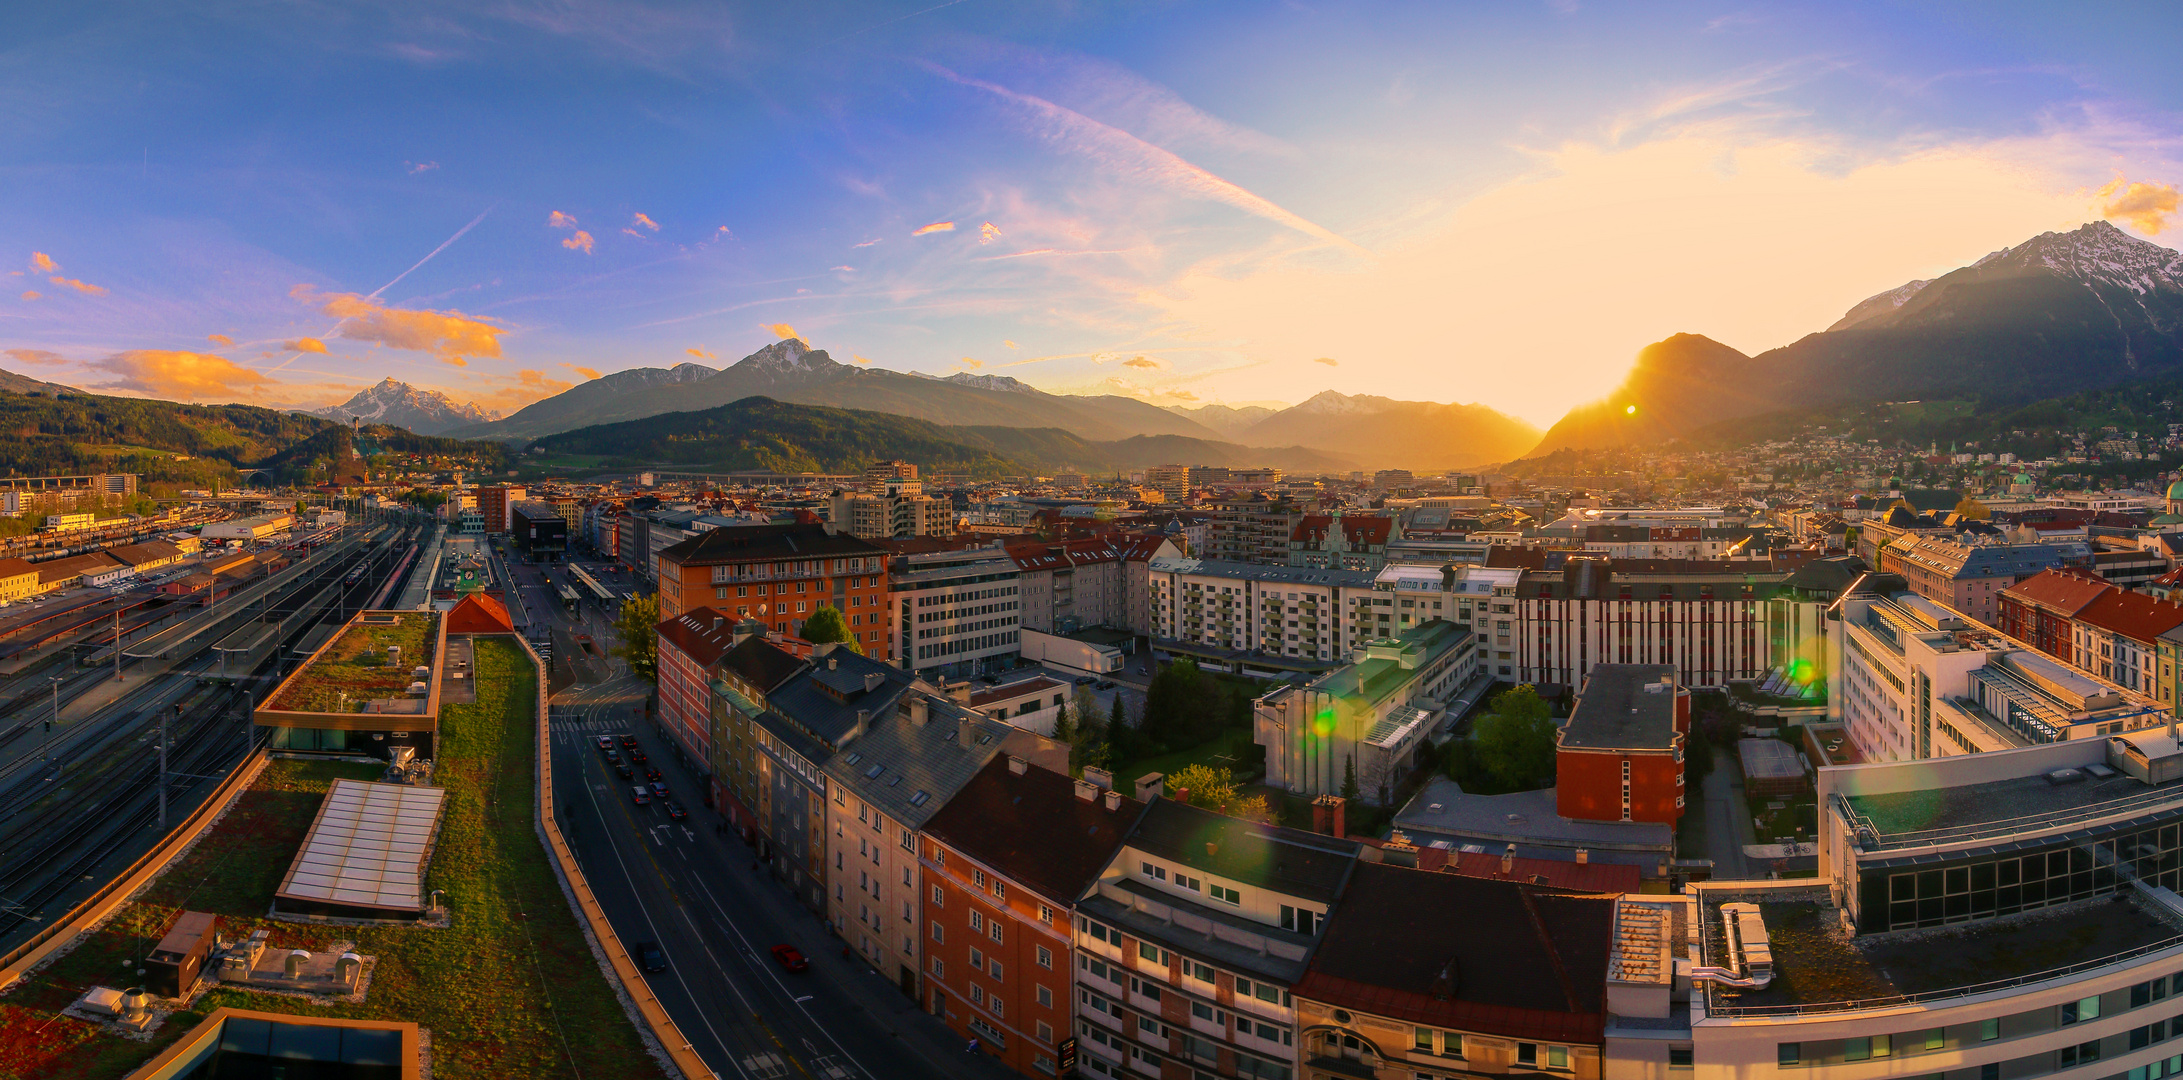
826,625
1215,789
638,627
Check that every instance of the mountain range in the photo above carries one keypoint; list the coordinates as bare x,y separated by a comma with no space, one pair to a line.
2061,313
398,404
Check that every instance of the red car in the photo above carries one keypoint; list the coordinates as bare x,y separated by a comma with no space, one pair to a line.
790,958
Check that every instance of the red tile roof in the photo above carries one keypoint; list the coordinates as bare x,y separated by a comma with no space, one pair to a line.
478,613
1031,828
2064,591
702,634
2133,615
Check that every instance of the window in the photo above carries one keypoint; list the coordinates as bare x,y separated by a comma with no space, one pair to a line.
1045,958
939,899
1527,1053
977,959
1156,873
1099,932
2080,1054
1299,920
938,934
1557,1057
978,877
1226,895
2074,1012
1188,882
1045,914
994,969
1148,951
977,921
1151,990
993,930
1787,1054
1935,1038
1422,1040
1859,1049
1045,1000
1679,1057
1989,1029
977,994
1000,889
1201,972
939,968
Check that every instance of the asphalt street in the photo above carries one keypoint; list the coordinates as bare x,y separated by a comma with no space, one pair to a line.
716,915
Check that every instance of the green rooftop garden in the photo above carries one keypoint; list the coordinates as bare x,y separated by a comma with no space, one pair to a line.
354,668
511,989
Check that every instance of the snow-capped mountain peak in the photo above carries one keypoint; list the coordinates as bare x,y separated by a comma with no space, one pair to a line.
1336,402
1873,306
1002,383
634,379
396,403
786,359
2098,253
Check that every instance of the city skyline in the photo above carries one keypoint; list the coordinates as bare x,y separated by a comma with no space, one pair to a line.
1217,204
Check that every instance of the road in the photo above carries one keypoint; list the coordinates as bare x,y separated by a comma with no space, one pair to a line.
716,914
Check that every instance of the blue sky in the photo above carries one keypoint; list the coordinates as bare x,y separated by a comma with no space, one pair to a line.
1189,203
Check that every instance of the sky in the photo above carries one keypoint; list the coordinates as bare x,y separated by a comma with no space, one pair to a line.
1189,203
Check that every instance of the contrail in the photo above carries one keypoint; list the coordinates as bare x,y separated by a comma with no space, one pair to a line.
890,22
329,331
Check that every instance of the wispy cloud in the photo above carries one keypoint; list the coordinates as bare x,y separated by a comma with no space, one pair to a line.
2146,207
308,344
869,243
644,222
1145,363
1008,343
937,226
970,363
860,359
80,286
31,294
34,356
784,331
179,375
589,373
699,353
449,335
1327,360
559,220
415,167
43,263
1127,155
220,339
988,232
579,242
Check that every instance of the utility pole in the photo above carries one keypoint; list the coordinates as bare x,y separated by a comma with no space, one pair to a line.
163,764
117,644
47,752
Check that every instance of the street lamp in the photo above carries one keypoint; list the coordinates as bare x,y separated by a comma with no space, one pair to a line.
46,751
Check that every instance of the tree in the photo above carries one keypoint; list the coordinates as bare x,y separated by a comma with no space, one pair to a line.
1515,743
1065,728
1215,789
1349,778
638,627
826,625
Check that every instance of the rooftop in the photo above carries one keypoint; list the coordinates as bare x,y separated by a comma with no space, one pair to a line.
1819,967
359,671
1033,826
747,543
1292,575
1528,819
367,849
1294,862
1624,707
2014,807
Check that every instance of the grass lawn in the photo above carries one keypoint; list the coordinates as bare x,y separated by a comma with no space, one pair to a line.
1227,750
354,668
511,990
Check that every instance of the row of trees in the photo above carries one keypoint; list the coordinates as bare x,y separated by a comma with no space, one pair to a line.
1510,748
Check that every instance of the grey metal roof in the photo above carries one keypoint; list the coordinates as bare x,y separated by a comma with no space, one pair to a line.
1624,707
1290,575
1309,865
831,715
910,770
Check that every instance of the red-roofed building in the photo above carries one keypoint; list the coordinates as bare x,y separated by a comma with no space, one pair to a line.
1071,584
689,645
1342,542
478,613
2041,610
2117,637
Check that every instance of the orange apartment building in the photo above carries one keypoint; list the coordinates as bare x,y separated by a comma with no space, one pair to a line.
1620,756
778,575
1003,863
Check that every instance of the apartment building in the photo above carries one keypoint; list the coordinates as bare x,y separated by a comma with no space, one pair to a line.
1004,862
494,503
896,508
1214,608
2042,946
1255,529
889,774
1971,577
1913,680
690,644
2041,611
1069,585
1172,481
1343,541
2117,635
778,575
955,611
1400,990
1191,942
1620,755
1368,717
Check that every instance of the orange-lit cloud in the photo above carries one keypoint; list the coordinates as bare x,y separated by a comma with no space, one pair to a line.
219,339
970,363
308,344
34,356
860,359
699,353
456,360
869,243
579,242
559,220
645,222
2146,207
1008,343
507,395
79,286
1327,360
784,331
589,373
937,226
31,294
1143,362
179,376
988,232
450,335
43,263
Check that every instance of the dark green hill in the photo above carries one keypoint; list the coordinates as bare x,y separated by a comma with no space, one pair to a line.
761,433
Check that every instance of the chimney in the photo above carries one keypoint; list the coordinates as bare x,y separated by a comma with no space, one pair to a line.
1182,794
1150,785
1114,801
716,622
1017,765
833,662
1508,860
966,733
864,723
1329,815
960,691
1086,792
1583,857
1100,778
918,711
873,680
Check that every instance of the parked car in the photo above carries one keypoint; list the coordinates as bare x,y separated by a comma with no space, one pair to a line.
1084,680
675,812
1104,684
640,794
790,958
649,956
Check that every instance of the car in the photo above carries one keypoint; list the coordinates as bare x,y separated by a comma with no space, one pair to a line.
606,743
675,812
649,956
640,794
659,790
613,757
990,680
638,756
622,768
1085,680
651,772
1104,684
790,958
629,741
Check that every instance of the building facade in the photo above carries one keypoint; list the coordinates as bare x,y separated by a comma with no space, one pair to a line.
894,509
955,612
778,575
1367,718
1620,756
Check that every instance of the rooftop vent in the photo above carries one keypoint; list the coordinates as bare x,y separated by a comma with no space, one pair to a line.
2060,777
